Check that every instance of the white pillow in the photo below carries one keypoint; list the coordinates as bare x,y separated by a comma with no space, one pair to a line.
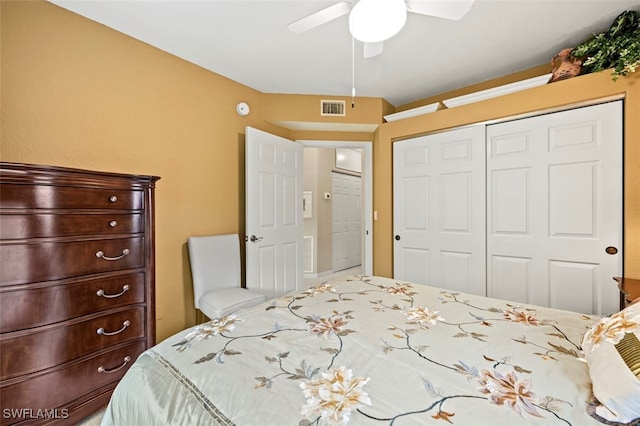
612,351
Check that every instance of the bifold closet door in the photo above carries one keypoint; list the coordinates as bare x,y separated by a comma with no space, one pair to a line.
346,227
554,209
439,210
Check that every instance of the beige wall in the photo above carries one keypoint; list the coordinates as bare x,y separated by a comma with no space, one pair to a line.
75,93
318,164
78,94
303,108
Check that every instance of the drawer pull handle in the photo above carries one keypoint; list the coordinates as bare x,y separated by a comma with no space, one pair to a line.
113,223
101,255
125,324
101,369
101,292
113,199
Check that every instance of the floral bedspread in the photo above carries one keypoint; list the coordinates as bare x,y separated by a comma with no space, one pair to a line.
366,351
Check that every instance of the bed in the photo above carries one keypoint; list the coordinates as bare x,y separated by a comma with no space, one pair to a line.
368,350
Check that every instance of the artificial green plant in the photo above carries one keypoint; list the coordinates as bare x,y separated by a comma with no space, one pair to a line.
617,48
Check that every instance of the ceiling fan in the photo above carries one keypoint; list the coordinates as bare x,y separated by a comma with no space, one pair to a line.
373,21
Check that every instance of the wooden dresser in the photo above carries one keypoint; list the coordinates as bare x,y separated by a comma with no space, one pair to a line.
77,288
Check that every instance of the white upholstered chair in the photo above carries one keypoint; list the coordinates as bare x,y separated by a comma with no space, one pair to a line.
215,270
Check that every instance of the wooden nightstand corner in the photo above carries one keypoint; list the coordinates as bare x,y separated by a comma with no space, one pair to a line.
629,290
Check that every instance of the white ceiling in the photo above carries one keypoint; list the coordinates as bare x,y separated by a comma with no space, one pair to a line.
248,41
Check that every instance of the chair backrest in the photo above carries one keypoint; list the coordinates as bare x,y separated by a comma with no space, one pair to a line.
215,263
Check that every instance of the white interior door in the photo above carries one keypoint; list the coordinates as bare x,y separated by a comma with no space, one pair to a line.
273,180
346,227
439,210
554,191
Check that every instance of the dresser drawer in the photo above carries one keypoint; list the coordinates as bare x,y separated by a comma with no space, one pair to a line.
58,388
19,196
31,262
36,306
15,226
24,352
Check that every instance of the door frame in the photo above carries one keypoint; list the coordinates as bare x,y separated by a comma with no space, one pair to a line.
366,148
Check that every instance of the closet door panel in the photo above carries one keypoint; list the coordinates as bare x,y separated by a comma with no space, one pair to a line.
456,268
574,285
573,205
511,202
439,210
511,277
455,202
416,264
554,196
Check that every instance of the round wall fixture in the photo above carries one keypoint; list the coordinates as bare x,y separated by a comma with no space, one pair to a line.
242,109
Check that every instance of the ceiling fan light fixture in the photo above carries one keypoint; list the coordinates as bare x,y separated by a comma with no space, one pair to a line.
372,21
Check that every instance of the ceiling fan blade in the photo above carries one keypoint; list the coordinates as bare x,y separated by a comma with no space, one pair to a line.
447,9
321,17
372,49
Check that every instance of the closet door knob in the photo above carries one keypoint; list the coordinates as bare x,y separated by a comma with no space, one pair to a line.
397,237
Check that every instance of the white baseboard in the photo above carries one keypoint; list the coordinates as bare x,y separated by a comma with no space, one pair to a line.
319,275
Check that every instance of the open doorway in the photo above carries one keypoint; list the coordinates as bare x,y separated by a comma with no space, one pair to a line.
337,209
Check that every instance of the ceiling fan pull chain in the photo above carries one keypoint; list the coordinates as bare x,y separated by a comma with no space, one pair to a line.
353,72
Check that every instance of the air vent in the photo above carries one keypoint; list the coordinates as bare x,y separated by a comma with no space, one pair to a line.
332,108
